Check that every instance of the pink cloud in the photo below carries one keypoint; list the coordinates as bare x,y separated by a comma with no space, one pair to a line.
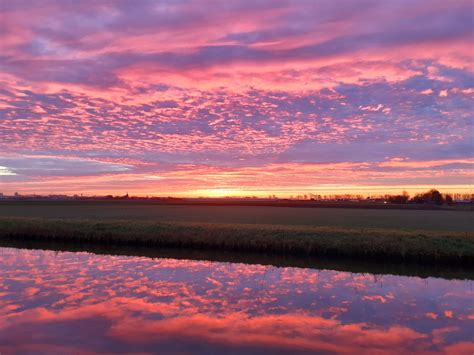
252,83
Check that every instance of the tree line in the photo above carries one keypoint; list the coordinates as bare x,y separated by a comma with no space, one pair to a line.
432,196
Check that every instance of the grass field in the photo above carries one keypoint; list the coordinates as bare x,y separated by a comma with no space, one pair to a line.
436,220
399,235
382,244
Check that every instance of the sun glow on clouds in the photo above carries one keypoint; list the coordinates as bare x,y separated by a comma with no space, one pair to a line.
4,171
247,97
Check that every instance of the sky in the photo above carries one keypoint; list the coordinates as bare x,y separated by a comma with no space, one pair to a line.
236,98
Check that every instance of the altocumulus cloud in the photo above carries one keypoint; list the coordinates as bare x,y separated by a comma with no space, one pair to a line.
106,94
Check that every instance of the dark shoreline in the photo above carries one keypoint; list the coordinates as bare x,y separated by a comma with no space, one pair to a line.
382,245
377,268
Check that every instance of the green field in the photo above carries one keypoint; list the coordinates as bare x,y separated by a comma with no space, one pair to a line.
436,220
395,235
382,244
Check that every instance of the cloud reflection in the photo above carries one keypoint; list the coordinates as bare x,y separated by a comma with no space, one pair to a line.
87,303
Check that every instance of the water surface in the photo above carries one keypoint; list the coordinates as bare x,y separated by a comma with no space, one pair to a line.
78,302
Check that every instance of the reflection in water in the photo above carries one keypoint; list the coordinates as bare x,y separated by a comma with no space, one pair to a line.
67,302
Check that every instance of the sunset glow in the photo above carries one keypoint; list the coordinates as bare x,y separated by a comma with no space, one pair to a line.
236,98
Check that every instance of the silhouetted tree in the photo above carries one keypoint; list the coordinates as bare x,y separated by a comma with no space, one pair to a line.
433,196
448,199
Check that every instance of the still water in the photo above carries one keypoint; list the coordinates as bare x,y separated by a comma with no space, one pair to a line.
78,302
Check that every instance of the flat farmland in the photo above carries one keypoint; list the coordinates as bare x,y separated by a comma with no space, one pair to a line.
434,220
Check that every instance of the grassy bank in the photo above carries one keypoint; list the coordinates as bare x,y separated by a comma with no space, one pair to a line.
345,264
383,244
